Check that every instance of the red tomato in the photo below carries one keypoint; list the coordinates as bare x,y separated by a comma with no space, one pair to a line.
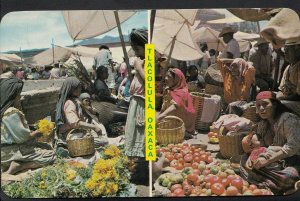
231,177
237,183
192,177
209,159
232,191
197,182
180,160
203,157
196,154
187,189
188,158
178,155
179,166
225,182
195,165
175,186
252,187
179,192
196,171
208,185
185,182
217,188
197,159
214,179
210,134
206,171
169,156
187,165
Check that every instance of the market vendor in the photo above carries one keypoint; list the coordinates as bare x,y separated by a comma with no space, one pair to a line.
194,77
69,113
103,93
232,48
177,101
278,166
19,150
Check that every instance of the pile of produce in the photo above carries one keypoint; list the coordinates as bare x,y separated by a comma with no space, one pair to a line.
196,173
107,177
213,137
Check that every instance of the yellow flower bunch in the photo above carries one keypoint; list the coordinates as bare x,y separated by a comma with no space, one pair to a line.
71,174
112,151
43,173
45,127
42,185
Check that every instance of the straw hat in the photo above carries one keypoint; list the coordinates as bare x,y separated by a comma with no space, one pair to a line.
226,30
284,25
260,41
292,41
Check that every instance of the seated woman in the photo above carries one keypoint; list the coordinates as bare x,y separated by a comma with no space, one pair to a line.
177,100
278,166
194,77
69,113
101,88
19,151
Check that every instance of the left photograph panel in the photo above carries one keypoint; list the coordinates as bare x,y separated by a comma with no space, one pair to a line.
72,104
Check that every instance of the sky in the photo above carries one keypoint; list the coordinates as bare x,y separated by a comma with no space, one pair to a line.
36,29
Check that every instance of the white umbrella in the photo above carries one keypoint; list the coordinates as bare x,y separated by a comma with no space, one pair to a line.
91,23
226,20
239,36
172,34
82,24
210,37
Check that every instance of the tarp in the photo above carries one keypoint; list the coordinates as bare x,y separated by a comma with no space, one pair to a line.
82,24
9,60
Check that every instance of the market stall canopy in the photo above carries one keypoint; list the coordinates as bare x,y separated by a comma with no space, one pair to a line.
226,20
250,14
172,34
9,60
210,37
84,24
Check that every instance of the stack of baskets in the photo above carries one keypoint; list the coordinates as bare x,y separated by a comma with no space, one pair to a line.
170,131
81,146
231,145
250,113
198,99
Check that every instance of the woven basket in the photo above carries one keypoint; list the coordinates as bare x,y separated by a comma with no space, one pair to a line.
198,105
192,87
170,131
250,113
81,147
212,89
231,145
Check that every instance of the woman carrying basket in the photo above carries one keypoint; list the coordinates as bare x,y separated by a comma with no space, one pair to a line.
177,101
19,150
273,159
69,114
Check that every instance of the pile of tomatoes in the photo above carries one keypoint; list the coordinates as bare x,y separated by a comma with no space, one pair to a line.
203,175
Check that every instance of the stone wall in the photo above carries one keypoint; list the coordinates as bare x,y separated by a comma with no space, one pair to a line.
40,103
41,84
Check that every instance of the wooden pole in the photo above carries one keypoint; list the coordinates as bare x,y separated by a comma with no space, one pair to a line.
171,50
152,20
123,44
52,51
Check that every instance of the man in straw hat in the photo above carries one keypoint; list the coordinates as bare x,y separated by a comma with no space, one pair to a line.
290,84
232,49
262,62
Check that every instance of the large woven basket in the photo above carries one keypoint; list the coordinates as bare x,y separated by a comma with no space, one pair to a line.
198,99
83,146
250,113
192,87
170,131
212,89
46,138
231,145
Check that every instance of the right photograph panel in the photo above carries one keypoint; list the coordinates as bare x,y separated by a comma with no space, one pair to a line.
227,102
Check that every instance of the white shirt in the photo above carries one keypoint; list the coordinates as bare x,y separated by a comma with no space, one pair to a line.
232,47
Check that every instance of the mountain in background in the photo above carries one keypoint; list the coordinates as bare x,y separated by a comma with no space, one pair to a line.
104,40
